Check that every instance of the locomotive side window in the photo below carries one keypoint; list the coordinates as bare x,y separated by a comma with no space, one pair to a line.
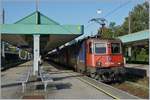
115,48
90,47
100,48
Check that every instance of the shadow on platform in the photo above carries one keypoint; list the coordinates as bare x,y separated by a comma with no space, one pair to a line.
10,85
61,78
58,86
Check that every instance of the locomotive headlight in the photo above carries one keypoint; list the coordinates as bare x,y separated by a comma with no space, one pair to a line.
98,63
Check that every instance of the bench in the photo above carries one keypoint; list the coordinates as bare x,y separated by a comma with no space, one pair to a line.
45,78
24,79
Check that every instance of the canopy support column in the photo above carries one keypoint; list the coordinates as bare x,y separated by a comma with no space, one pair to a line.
36,54
3,49
129,52
3,53
28,57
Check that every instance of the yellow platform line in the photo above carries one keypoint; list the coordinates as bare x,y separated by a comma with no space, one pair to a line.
98,88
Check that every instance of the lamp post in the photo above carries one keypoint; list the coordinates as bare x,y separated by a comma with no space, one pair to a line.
129,23
37,5
99,11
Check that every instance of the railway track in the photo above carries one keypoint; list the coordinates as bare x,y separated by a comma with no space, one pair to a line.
107,89
137,85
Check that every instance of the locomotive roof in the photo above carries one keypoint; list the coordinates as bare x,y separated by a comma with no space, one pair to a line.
105,39
100,38
96,38
91,38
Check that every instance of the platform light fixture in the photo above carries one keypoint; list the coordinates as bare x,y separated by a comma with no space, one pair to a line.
99,11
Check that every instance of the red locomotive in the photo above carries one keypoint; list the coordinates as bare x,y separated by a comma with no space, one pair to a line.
99,58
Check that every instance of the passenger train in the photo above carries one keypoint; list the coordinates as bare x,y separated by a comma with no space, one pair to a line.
98,58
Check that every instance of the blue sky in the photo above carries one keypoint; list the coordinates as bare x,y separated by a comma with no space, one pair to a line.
70,11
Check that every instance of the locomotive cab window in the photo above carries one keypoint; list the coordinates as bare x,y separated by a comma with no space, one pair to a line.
115,48
100,48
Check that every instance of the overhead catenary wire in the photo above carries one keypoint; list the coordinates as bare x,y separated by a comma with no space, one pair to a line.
117,8
112,11
108,14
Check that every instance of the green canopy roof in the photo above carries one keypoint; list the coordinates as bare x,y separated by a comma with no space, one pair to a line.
32,19
137,36
52,34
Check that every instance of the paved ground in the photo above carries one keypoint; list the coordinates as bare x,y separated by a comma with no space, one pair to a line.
11,74
9,87
65,86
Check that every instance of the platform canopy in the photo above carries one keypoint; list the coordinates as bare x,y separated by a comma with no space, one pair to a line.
52,34
135,37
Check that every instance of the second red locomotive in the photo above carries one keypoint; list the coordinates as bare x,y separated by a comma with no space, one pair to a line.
99,58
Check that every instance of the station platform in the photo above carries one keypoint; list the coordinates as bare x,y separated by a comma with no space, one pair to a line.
138,69
65,85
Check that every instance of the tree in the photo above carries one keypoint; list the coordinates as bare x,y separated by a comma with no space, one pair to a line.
112,25
139,18
109,32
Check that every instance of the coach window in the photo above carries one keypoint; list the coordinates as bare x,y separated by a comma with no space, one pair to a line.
115,47
100,48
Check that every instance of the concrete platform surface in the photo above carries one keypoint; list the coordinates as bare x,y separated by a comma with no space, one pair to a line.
65,86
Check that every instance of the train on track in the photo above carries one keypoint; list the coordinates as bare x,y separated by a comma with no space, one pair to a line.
98,58
11,60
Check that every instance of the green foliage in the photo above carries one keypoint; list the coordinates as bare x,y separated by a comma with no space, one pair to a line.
107,33
139,20
23,53
112,25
